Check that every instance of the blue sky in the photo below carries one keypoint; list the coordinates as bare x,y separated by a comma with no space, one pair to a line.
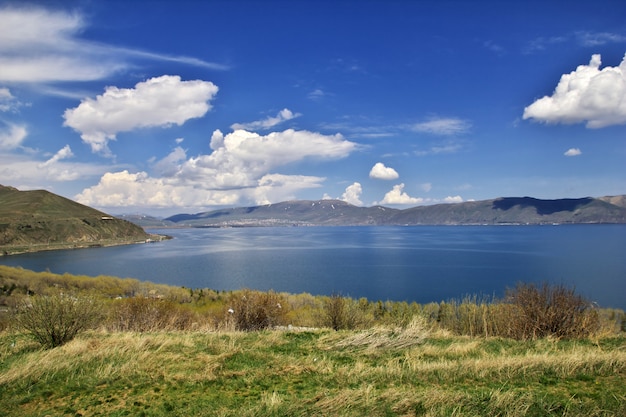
164,107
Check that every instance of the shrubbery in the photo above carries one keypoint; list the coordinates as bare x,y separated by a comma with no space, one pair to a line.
143,314
53,320
528,311
255,310
551,311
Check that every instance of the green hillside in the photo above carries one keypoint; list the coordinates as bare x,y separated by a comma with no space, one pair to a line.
40,220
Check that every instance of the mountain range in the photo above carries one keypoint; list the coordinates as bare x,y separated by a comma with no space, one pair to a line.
504,210
40,220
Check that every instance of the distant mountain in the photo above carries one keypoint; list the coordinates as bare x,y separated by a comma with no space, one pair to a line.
40,220
146,221
290,213
506,210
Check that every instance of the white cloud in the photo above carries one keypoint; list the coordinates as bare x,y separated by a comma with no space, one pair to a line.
588,94
427,186
63,153
277,187
241,168
352,194
169,165
397,196
267,123
573,152
8,101
593,39
582,38
450,147
443,126
41,45
316,94
125,189
453,199
157,102
381,172
14,137
240,158
30,172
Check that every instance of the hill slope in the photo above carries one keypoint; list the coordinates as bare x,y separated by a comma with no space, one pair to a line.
507,210
39,220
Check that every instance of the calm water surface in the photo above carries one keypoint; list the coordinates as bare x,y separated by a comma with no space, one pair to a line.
419,264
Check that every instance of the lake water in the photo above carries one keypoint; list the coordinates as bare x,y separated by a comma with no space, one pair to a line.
421,264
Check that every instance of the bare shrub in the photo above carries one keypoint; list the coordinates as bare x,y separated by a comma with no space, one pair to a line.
254,310
341,313
551,310
142,314
53,320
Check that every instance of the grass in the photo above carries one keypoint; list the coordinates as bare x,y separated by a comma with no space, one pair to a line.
382,371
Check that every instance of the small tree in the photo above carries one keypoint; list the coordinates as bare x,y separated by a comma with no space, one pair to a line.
53,320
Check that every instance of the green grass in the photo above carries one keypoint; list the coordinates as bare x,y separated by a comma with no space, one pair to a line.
375,372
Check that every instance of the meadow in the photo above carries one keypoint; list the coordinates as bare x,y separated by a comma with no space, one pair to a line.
156,350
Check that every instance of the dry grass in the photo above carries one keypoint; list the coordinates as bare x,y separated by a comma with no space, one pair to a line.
384,371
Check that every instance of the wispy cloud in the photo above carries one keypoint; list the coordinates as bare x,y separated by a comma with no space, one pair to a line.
267,123
581,38
443,126
38,45
14,137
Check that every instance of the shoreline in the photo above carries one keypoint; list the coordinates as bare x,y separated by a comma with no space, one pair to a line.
9,250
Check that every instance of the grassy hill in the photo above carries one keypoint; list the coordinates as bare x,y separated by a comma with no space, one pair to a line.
40,220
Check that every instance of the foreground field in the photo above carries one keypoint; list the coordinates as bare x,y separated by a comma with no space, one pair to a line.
382,371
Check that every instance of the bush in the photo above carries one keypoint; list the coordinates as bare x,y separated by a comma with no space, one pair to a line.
254,310
341,313
142,314
551,311
53,320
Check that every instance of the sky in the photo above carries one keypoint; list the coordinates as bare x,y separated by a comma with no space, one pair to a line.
164,107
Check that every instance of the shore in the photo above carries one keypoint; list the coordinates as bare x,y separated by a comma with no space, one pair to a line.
7,250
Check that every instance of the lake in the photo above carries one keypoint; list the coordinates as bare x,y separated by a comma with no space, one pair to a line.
420,263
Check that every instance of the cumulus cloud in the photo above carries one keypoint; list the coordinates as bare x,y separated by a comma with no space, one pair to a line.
398,196
443,126
267,123
157,102
241,166
588,94
352,194
573,152
14,137
381,172
42,45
